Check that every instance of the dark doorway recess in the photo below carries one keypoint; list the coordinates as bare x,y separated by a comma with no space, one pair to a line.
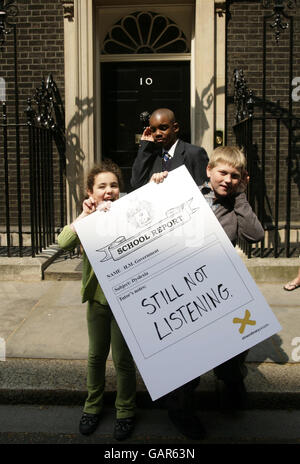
128,89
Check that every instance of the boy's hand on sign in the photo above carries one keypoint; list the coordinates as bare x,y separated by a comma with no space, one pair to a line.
104,206
159,177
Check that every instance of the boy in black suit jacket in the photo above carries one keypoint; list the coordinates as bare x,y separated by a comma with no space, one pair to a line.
160,149
159,137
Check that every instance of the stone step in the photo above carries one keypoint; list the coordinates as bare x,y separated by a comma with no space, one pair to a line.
54,264
53,381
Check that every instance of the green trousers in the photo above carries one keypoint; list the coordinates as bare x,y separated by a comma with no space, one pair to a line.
103,331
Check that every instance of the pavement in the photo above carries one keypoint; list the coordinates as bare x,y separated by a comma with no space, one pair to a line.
52,424
44,337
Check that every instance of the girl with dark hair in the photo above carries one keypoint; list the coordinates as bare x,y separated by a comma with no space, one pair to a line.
103,187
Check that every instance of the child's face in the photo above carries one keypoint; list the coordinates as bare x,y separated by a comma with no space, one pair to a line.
105,188
163,130
224,179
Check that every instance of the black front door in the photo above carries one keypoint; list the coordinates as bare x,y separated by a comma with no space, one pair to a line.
129,89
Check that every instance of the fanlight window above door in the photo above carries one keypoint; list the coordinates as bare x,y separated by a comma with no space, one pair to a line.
145,32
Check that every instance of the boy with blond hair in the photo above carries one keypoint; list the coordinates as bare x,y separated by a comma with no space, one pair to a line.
225,193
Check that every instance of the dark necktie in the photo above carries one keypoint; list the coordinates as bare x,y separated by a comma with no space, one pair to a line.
165,158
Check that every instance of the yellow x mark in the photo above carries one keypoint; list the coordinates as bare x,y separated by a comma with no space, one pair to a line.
244,321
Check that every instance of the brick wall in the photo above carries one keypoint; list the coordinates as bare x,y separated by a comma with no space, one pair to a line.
40,45
245,50
40,51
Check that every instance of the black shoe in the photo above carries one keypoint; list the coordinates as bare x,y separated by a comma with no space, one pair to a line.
124,428
233,396
187,424
88,423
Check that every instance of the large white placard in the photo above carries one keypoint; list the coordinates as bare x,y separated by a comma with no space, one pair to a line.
182,296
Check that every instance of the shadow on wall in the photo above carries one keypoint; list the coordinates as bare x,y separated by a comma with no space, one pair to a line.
203,103
76,156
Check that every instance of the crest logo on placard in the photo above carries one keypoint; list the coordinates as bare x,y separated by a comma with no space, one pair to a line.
140,214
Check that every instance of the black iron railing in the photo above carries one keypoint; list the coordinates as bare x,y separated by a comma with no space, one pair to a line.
32,153
34,174
267,126
271,141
